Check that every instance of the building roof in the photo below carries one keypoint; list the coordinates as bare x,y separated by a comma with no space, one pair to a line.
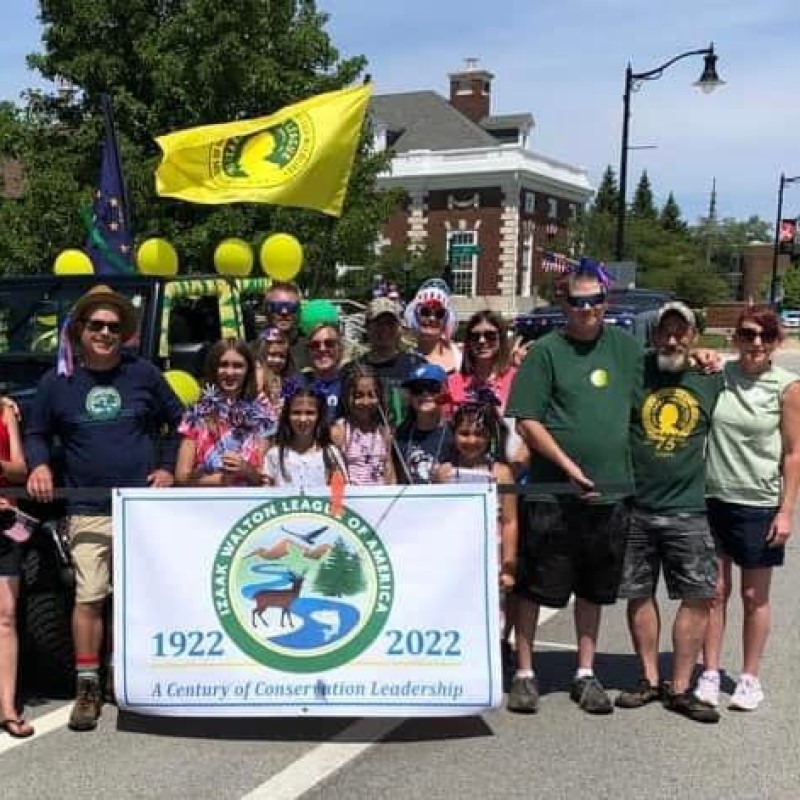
426,121
504,121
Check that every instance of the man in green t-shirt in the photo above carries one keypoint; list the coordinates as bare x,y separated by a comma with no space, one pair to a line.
669,528
572,399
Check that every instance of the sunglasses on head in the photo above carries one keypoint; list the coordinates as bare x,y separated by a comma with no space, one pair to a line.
480,336
423,387
100,325
323,344
436,312
586,300
283,306
751,334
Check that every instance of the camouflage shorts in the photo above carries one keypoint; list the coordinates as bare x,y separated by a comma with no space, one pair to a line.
681,544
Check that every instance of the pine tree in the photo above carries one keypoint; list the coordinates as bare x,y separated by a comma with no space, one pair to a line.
670,217
340,573
607,197
643,206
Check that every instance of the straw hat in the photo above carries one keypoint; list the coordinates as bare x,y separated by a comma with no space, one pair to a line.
103,295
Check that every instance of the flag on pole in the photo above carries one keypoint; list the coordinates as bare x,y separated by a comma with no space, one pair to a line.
110,240
300,156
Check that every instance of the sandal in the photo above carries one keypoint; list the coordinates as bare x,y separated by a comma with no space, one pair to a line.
17,728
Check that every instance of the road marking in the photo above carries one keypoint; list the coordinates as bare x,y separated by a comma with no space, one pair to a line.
45,724
325,759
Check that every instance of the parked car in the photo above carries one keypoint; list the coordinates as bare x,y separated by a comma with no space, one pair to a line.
790,319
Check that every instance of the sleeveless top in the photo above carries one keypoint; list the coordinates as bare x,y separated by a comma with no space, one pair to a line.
745,448
365,455
5,448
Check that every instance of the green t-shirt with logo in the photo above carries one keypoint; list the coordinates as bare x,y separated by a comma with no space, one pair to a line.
669,428
582,392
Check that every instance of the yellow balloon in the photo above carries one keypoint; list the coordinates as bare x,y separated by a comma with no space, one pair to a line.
157,257
73,262
184,385
281,256
233,257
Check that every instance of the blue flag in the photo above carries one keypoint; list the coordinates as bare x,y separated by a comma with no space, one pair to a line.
110,242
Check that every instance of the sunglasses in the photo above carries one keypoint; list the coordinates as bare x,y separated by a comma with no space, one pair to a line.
100,325
424,387
318,345
751,334
434,312
586,300
479,336
283,307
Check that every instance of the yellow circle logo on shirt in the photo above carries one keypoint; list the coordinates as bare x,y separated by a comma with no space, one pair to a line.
599,378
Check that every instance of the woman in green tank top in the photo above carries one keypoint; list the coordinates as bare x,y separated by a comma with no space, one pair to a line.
752,477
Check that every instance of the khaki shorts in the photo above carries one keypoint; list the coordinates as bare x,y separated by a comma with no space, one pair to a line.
90,546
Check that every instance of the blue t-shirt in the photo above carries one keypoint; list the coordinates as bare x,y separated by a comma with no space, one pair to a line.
422,450
110,425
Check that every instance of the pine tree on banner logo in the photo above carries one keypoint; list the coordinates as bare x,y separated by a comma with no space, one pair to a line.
110,240
300,156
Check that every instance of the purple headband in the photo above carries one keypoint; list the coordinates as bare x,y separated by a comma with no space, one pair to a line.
594,269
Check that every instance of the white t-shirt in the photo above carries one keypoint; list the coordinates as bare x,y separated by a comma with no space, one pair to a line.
303,471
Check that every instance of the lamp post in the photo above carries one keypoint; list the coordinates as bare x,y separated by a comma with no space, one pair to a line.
707,82
773,284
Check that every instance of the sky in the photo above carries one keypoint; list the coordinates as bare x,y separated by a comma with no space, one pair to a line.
564,62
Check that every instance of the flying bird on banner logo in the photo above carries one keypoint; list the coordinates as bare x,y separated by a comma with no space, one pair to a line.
300,156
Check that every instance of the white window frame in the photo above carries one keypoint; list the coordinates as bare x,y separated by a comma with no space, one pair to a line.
530,202
463,269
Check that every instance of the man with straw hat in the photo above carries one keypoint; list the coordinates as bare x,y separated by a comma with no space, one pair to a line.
107,406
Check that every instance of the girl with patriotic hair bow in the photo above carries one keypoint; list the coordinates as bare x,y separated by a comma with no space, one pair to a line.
225,433
431,316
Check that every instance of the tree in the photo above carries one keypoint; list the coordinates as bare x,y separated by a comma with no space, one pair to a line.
171,65
607,197
643,205
340,573
791,288
670,216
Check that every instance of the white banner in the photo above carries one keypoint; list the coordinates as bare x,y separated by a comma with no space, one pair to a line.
248,602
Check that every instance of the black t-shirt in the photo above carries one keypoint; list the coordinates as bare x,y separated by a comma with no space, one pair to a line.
422,450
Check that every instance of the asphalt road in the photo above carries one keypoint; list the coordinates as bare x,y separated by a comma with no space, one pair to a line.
559,753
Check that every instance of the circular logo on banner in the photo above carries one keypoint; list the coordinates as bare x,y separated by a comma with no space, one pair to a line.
300,590
103,403
599,378
267,158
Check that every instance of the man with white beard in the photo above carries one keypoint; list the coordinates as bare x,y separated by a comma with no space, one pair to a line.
669,529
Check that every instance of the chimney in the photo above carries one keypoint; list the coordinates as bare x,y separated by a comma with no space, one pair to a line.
471,90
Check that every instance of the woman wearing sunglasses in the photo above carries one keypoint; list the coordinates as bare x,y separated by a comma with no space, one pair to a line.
325,358
432,318
752,477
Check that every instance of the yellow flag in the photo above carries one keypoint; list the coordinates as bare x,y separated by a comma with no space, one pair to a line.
300,156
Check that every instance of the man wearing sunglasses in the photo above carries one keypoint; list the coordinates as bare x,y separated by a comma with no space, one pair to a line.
572,399
282,310
108,407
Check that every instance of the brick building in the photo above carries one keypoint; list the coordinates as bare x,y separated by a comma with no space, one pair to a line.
474,191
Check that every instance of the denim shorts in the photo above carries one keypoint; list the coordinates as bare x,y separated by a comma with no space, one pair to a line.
741,533
679,544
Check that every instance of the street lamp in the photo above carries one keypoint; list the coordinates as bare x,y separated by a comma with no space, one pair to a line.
773,284
707,82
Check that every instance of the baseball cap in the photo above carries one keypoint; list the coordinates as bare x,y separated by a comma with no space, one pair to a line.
382,305
426,372
677,307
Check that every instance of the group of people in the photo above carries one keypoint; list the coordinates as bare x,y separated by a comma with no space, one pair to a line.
597,447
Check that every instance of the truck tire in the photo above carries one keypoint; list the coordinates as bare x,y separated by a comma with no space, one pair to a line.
45,621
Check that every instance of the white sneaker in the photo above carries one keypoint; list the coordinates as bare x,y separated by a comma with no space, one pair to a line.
707,688
748,695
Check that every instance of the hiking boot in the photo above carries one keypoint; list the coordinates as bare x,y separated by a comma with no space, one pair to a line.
523,696
707,688
688,704
590,695
748,694
88,705
643,693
